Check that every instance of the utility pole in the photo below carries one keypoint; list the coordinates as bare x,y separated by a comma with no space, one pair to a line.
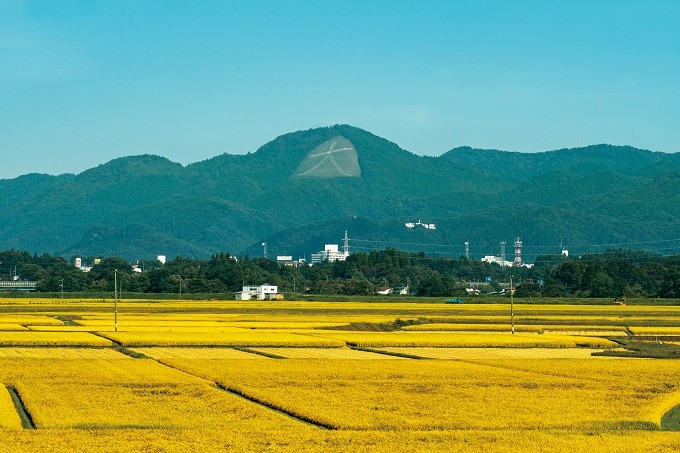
180,287
115,300
62,288
512,308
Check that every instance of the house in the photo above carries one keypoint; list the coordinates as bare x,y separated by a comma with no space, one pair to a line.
261,292
384,290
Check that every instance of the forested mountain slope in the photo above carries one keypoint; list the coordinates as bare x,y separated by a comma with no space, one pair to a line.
303,189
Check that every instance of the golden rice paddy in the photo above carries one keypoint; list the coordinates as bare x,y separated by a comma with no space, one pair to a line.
10,327
31,338
275,376
465,339
661,331
29,320
490,327
198,353
495,353
441,395
228,338
9,418
326,353
59,353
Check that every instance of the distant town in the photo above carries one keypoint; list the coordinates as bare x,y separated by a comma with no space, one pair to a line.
617,273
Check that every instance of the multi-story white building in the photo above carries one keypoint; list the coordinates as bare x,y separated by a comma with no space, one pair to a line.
330,253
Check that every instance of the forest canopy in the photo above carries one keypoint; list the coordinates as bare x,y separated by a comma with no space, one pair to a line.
615,273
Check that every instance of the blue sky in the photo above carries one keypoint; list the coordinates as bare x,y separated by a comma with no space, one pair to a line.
83,82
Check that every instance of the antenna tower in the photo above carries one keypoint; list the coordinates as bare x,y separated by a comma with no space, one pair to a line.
346,246
467,249
518,251
264,250
502,257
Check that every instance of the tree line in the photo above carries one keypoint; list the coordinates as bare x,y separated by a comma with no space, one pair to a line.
617,273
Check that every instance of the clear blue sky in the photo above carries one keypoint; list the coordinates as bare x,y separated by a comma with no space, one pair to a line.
83,82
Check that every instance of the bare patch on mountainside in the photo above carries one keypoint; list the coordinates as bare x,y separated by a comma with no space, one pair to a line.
334,158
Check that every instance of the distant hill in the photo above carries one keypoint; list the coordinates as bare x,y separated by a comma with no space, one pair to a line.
304,189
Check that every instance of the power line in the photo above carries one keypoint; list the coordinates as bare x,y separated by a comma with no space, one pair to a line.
529,247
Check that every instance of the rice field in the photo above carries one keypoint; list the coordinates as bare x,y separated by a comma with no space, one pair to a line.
661,331
556,329
443,395
228,338
495,353
12,327
9,418
314,376
127,393
327,353
59,353
30,338
465,339
197,353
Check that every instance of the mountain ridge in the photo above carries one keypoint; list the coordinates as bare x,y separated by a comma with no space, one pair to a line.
149,205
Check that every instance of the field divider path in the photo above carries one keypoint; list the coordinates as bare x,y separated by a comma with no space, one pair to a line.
24,414
275,408
115,342
130,352
383,352
67,320
241,394
269,355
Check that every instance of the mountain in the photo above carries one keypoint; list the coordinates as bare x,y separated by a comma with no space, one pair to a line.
303,189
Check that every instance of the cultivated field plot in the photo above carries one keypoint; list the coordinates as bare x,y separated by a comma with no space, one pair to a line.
464,339
450,395
314,376
556,329
240,338
661,331
495,353
60,353
198,353
326,353
9,418
12,327
126,392
29,320
30,338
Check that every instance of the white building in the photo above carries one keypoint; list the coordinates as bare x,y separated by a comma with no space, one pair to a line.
497,260
330,253
262,292
427,226
287,260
